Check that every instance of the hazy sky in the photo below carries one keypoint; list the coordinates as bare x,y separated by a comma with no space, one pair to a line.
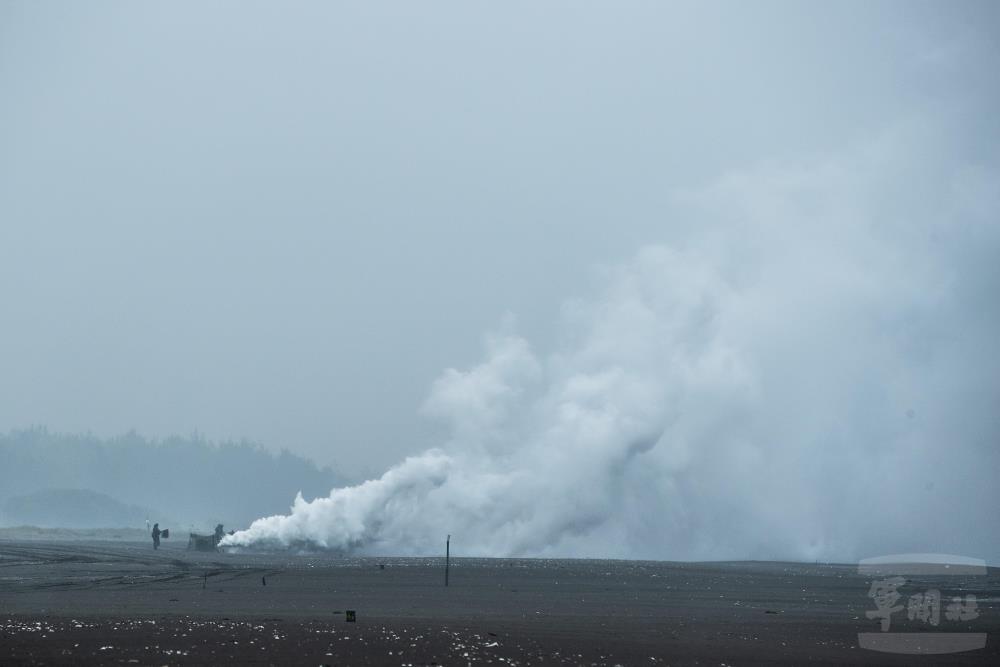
283,221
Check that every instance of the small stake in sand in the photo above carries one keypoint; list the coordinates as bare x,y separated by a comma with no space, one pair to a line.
447,558
351,618
263,581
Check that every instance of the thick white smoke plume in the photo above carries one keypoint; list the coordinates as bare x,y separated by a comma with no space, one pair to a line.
807,370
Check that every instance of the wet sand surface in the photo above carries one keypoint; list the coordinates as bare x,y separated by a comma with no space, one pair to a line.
123,603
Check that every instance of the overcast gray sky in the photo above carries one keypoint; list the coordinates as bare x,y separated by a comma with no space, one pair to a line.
282,221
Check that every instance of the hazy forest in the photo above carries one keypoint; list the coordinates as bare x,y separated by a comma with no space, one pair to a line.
82,481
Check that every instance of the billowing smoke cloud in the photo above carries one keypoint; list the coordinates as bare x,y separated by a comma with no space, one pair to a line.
807,370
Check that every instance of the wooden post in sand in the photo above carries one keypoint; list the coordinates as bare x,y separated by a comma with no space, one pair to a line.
447,558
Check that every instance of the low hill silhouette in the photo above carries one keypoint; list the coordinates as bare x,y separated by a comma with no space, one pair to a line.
195,482
72,508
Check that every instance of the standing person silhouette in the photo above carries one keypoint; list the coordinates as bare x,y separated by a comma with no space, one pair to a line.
156,536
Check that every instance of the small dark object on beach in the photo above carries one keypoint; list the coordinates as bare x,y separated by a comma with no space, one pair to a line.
351,618
771,611
263,581
381,566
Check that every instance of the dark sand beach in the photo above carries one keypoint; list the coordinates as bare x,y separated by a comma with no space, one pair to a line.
119,602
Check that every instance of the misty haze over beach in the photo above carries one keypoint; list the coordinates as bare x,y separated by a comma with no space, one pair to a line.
537,333
682,281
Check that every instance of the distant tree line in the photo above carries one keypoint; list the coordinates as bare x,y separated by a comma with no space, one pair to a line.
189,480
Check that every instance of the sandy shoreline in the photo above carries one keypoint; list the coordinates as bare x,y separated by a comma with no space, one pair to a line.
122,603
